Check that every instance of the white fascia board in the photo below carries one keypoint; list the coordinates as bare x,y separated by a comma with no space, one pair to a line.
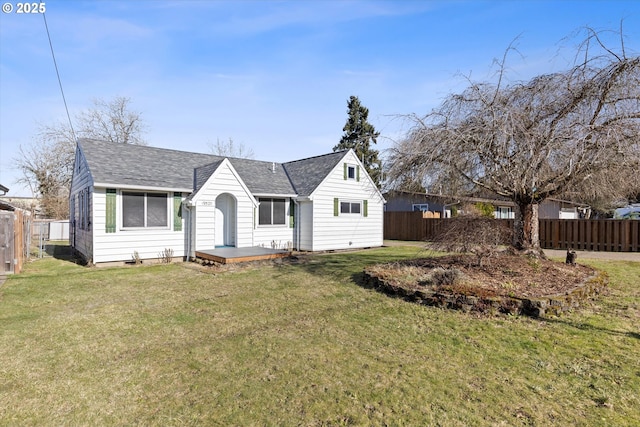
274,195
142,188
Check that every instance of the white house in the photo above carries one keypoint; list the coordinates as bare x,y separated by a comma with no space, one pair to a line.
128,199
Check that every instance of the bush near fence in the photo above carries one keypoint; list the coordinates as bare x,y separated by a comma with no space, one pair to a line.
586,234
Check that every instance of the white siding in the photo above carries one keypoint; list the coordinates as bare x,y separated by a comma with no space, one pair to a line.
346,231
274,236
223,180
277,237
306,226
204,215
121,245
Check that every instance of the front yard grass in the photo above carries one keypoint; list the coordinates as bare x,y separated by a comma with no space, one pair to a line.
302,344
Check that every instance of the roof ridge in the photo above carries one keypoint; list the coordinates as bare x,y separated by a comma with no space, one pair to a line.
218,156
149,147
318,156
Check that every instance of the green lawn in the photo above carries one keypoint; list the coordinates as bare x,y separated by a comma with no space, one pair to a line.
302,345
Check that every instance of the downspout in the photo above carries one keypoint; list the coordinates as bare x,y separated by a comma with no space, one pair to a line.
188,206
296,223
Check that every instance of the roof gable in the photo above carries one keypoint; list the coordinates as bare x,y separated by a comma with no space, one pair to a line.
307,174
207,174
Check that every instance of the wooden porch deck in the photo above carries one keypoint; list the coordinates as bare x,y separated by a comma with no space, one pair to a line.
234,255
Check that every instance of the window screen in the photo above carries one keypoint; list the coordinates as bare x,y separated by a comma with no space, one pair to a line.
133,210
272,212
144,210
350,208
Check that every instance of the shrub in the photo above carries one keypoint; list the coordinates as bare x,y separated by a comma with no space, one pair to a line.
480,236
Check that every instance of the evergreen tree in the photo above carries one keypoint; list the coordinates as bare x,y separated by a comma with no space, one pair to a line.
358,135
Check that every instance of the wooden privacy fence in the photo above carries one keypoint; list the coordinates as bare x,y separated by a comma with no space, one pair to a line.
14,240
611,235
594,235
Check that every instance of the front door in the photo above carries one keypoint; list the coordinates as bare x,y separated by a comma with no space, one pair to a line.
225,220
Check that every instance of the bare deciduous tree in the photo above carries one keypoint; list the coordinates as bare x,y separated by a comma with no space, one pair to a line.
112,121
230,149
576,132
46,167
47,162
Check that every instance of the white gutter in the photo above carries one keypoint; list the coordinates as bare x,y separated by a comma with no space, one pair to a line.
296,224
138,187
277,196
187,205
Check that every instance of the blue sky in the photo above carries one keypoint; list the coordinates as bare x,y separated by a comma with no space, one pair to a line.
273,75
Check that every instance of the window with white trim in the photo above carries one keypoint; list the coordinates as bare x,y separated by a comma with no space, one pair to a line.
351,172
350,208
144,210
420,207
272,211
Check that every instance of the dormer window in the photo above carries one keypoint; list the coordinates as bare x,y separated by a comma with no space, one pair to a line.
351,172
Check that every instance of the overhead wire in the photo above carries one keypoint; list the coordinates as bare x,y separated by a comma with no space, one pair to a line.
55,64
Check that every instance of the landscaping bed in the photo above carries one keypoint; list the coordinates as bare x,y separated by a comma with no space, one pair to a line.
507,283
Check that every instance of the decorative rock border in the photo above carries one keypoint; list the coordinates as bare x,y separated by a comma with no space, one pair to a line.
553,305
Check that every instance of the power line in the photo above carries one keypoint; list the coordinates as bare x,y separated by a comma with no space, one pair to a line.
55,64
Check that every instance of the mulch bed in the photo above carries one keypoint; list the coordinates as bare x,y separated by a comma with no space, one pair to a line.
514,281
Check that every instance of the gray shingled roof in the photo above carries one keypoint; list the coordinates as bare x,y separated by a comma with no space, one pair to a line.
143,166
307,174
137,165
263,177
202,174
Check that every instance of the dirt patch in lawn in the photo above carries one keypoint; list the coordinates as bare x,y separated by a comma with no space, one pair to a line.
506,282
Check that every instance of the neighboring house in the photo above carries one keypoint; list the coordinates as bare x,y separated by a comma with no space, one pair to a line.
129,198
404,201
563,209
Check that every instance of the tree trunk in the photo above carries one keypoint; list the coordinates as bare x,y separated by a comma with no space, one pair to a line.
526,228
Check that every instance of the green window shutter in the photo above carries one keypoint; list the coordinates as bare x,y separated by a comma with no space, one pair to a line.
336,207
110,215
177,211
292,213
346,171
365,208
358,173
